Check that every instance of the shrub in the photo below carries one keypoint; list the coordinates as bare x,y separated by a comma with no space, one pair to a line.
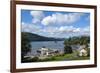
67,49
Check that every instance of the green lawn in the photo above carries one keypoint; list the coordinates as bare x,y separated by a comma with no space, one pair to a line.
69,57
65,57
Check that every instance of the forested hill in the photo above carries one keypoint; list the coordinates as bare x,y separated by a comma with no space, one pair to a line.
36,37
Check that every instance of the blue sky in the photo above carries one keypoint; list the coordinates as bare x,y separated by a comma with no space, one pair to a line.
55,24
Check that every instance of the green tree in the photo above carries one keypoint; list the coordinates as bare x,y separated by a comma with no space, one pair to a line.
82,40
25,46
35,59
67,49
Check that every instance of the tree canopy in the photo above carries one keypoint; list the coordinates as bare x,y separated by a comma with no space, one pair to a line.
25,46
82,40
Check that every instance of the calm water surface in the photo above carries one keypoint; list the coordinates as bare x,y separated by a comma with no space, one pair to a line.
48,44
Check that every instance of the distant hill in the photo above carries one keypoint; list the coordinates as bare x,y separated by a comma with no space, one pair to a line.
36,37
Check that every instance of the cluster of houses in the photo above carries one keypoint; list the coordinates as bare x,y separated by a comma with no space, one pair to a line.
44,53
51,52
47,52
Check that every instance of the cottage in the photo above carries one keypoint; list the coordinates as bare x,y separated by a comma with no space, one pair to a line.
82,51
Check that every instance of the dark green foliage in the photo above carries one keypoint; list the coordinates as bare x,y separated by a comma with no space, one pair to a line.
35,59
67,49
82,40
25,46
26,60
88,51
47,59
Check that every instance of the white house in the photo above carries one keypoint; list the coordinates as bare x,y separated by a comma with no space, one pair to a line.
43,52
82,51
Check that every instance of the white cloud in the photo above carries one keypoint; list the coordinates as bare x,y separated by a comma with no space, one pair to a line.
76,30
65,31
55,25
50,31
30,28
49,20
61,19
37,16
69,29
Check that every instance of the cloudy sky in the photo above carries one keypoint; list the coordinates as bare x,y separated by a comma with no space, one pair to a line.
55,24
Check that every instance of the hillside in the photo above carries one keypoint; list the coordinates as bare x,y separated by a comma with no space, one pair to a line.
36,37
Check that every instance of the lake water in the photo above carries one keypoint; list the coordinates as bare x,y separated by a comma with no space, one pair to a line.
48,44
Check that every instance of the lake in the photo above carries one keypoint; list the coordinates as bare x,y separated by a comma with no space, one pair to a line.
48,44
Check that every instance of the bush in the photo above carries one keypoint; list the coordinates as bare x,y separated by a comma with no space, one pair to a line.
67,49
35,59
88,51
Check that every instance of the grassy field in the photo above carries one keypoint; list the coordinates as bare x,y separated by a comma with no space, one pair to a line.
69,57
63,57
66,57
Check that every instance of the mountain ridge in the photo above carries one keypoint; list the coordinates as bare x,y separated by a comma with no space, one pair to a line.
36,37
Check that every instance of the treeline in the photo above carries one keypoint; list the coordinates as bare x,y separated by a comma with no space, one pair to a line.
25,46
82,40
